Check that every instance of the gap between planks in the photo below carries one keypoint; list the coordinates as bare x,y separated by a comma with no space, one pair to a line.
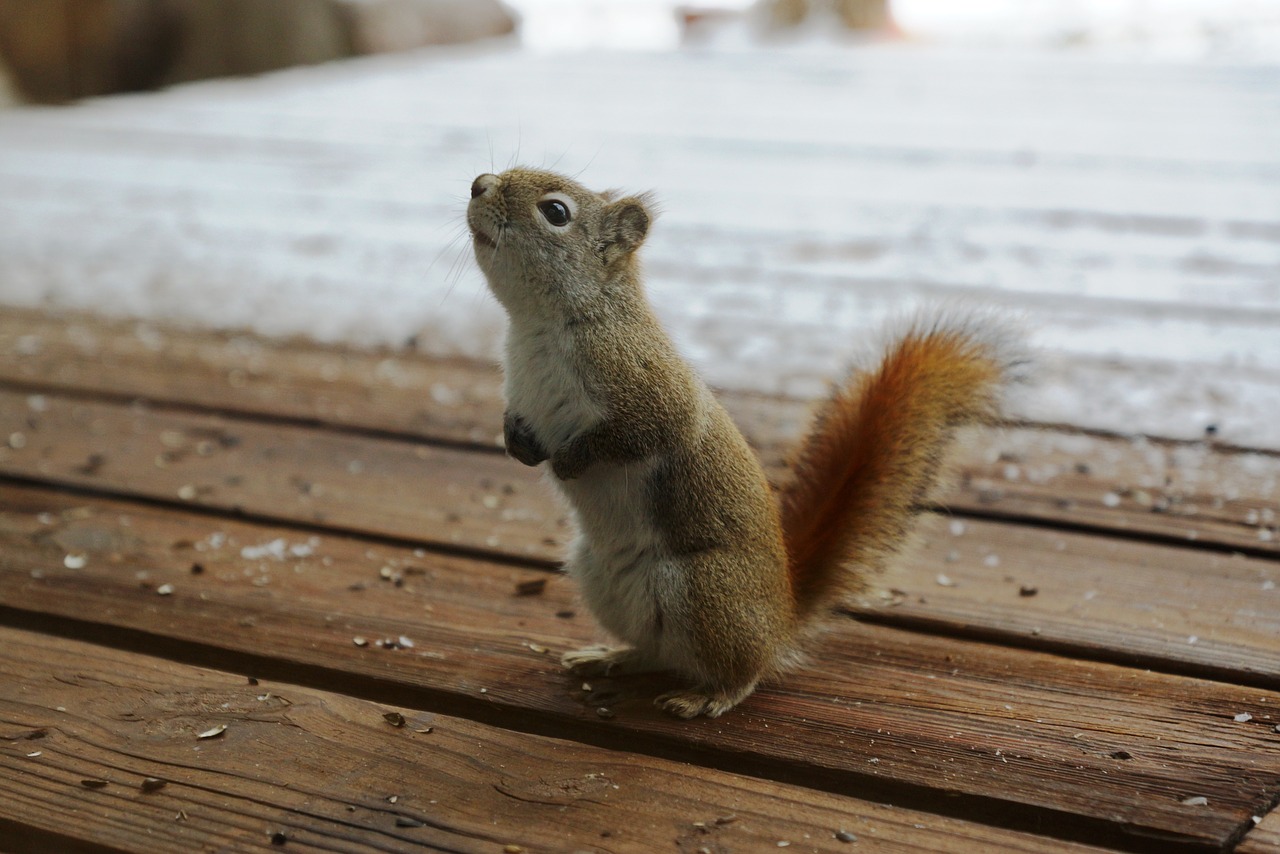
1170,492
327,770
981,603
477,654
487,506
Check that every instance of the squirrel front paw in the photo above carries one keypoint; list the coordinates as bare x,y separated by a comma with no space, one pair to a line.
520,441
571,459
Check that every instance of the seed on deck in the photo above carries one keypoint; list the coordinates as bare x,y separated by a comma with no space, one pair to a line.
531,586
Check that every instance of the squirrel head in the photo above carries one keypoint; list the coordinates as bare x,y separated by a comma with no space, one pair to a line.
545,241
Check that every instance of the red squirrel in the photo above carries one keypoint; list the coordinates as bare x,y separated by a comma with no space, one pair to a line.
683,552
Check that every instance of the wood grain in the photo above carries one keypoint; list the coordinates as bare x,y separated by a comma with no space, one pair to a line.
1205,612
1263,839
1009,732
329,771
1176,491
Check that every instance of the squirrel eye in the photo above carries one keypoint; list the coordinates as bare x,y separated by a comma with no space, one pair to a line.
555,212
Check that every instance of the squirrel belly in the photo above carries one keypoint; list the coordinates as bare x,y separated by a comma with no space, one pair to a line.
682,551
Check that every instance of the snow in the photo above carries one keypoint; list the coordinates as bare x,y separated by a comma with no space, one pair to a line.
1235,30
1127,210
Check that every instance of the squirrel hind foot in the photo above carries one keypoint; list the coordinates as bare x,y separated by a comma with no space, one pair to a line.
606,661
688,703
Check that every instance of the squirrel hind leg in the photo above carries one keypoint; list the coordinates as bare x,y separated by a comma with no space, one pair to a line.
698,700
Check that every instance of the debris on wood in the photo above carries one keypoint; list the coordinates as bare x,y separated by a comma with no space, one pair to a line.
1243,718
1198,801
214,732
93,784
165,590
360,641
1120,754
1028,590
531,587
394,718
405,821
279,838
75,560
92,465
152,784
845,836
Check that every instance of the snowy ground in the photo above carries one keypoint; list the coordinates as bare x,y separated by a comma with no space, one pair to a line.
1221,30
1129,210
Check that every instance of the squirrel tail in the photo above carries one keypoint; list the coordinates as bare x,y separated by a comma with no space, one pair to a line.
878,448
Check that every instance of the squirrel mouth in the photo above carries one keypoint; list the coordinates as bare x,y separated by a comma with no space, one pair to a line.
483,239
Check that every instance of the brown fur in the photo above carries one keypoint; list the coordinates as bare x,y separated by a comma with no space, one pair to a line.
683,552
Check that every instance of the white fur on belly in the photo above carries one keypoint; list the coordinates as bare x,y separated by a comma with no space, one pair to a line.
619,555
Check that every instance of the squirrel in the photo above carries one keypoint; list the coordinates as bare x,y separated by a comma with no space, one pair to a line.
682,551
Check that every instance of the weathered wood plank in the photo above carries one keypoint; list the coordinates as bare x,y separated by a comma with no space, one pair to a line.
1175,491
389,488
1263,839
439,496
329,771
1157,606
1022,732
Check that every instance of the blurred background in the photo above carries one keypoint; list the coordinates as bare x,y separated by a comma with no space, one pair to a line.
1108,170
60,49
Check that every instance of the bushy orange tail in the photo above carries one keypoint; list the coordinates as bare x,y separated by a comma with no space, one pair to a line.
877,449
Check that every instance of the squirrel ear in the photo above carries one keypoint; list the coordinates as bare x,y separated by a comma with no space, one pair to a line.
624,226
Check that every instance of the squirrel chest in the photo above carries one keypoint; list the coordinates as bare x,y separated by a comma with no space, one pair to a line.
619,549
544,383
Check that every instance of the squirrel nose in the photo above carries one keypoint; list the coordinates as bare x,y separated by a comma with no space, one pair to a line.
483,184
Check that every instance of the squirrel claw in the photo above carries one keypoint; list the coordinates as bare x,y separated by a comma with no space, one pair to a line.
689,703
593,660
606,661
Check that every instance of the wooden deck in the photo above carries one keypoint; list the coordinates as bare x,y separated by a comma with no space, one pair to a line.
303,590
